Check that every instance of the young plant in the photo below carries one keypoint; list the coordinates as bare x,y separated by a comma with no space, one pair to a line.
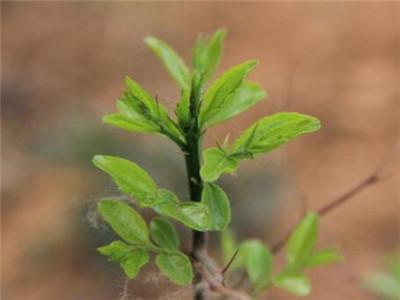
201,106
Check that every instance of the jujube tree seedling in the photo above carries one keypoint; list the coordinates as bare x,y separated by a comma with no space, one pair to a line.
201,106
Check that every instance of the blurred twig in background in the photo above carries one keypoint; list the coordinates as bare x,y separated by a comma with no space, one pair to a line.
376,176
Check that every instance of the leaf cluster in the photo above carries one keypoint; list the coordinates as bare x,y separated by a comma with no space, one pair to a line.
202,104
301,254
138,241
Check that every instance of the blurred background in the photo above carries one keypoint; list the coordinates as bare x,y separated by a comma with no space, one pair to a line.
63,64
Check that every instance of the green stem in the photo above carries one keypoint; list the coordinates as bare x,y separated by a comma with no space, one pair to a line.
192,159
192,150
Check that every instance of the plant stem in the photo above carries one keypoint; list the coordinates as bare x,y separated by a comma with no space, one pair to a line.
192,150
192,158
199,239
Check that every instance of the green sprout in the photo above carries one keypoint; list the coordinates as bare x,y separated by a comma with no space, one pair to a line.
202,104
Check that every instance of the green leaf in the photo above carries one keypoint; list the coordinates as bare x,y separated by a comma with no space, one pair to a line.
172,61
258,262
272,132
134,181
386,283
138,108
141,113
131,259
216,162
293,282
125,221
134,261
123,122
302,240
129,177
164,234
223,88
116,250
322,258
218,204
383,285
194,215
208,52
176,267
135,93
265,135
393,265
246,96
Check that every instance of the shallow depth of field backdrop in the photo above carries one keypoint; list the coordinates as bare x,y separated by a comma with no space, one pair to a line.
62,69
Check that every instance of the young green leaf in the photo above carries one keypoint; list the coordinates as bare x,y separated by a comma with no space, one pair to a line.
129,177
138,110
302,240
164,234
194,215
383,285
136,94
123,122
130,258
264,136
216,162
167,203
222,89
172,61
125,221
134,261
258,262
176,267
116,250
207,53
218,204
246,96
293,282
322,258
141,113
272,132
135,111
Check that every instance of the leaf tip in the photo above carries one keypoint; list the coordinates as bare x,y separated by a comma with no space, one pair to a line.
98,160
252,63
221,32
150,40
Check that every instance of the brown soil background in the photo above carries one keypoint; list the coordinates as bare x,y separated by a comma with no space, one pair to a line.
62,68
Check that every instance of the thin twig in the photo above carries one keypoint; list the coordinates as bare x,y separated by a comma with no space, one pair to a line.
225,269
125,291
375,177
